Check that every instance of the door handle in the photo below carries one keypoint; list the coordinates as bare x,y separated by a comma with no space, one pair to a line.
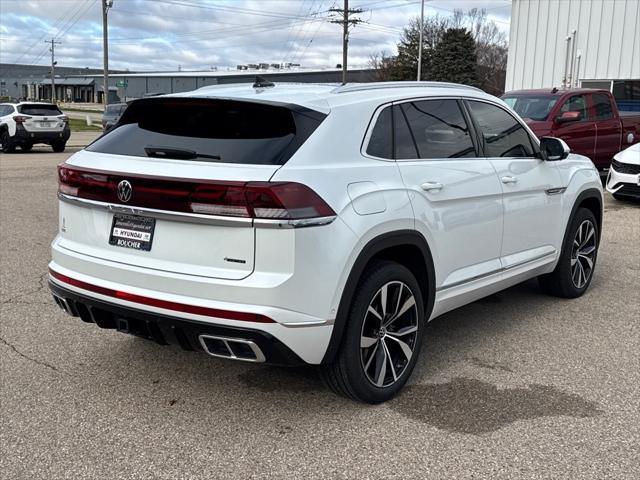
509,179
431,186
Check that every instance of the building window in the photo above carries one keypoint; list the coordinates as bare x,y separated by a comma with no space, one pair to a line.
627,95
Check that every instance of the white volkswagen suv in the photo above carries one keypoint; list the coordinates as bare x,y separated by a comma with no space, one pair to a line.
317,224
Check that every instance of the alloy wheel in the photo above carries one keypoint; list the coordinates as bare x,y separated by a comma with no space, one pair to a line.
583,254
389,334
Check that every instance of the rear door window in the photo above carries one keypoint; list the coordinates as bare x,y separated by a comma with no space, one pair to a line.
502,134
602,107
211,130
405,145
439,129
39,110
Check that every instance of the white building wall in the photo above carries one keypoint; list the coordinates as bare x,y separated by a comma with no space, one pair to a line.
608,38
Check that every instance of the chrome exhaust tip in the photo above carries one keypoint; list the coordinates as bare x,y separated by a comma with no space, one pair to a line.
231,348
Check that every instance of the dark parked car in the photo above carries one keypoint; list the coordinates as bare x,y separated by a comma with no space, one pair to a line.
112,114
587,119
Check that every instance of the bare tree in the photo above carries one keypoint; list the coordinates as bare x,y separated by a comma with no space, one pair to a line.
490,48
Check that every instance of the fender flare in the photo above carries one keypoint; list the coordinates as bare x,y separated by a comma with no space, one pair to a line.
582,196
369,251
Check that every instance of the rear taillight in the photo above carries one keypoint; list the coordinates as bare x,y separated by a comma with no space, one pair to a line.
64,118
21,118
263,200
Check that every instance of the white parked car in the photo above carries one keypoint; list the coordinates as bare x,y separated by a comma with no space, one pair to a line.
26,123
317,224
623,180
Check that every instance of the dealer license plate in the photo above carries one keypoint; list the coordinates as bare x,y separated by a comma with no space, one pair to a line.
132,231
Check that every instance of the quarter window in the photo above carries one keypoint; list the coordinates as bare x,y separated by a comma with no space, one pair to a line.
602,107
439,129
381,141
503,135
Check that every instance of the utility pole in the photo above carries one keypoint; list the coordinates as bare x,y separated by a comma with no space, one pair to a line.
420,42
53,67
106,5
346,21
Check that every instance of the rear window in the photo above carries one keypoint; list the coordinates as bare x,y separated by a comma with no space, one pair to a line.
534,107
223,131
38,110
114,109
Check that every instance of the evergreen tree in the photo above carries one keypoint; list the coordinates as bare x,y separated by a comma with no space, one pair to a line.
454,58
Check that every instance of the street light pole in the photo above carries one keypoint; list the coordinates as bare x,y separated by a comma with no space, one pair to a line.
106,4
420,42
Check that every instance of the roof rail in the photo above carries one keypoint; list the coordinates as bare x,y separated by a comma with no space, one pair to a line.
357,87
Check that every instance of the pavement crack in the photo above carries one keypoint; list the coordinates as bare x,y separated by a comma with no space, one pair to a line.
42,284
27,357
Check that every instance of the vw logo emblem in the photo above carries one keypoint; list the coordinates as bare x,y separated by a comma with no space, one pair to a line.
125,190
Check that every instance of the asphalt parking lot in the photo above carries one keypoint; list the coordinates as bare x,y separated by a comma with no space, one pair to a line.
518,385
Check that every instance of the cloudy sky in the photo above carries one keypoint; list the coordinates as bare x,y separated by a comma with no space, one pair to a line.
199,34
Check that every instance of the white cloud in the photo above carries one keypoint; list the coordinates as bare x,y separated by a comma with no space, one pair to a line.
197,34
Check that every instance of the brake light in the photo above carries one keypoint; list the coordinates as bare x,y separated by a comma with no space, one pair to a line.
64,118
21,118
262,200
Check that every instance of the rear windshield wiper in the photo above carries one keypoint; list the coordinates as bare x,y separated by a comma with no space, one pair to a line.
177,153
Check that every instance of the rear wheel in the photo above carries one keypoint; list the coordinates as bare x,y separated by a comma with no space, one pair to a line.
574,271
26,147
5,141
58,146
383,336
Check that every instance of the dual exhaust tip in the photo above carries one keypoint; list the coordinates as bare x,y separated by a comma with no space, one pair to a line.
231,348
216,346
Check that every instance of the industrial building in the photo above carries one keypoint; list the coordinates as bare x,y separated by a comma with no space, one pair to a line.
576,43
85,85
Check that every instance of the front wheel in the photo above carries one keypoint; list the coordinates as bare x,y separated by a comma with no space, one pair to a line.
58,146
382,338
574,271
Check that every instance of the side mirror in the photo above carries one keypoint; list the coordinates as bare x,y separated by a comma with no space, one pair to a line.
569,117
553,149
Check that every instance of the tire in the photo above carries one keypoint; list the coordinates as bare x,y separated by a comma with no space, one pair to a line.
362,369
7,144
58,146
26,147
572,276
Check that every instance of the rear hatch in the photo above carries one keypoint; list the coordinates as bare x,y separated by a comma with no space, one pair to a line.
177,184
39,117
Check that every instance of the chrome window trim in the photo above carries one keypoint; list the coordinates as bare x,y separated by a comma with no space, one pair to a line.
379,108
197,218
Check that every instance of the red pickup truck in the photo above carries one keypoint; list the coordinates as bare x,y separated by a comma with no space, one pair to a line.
587,119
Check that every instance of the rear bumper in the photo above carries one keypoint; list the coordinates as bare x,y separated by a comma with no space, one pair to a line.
165,329
24,136
623,184
307,337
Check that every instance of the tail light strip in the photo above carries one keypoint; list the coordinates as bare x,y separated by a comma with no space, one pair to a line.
278,203
164,304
